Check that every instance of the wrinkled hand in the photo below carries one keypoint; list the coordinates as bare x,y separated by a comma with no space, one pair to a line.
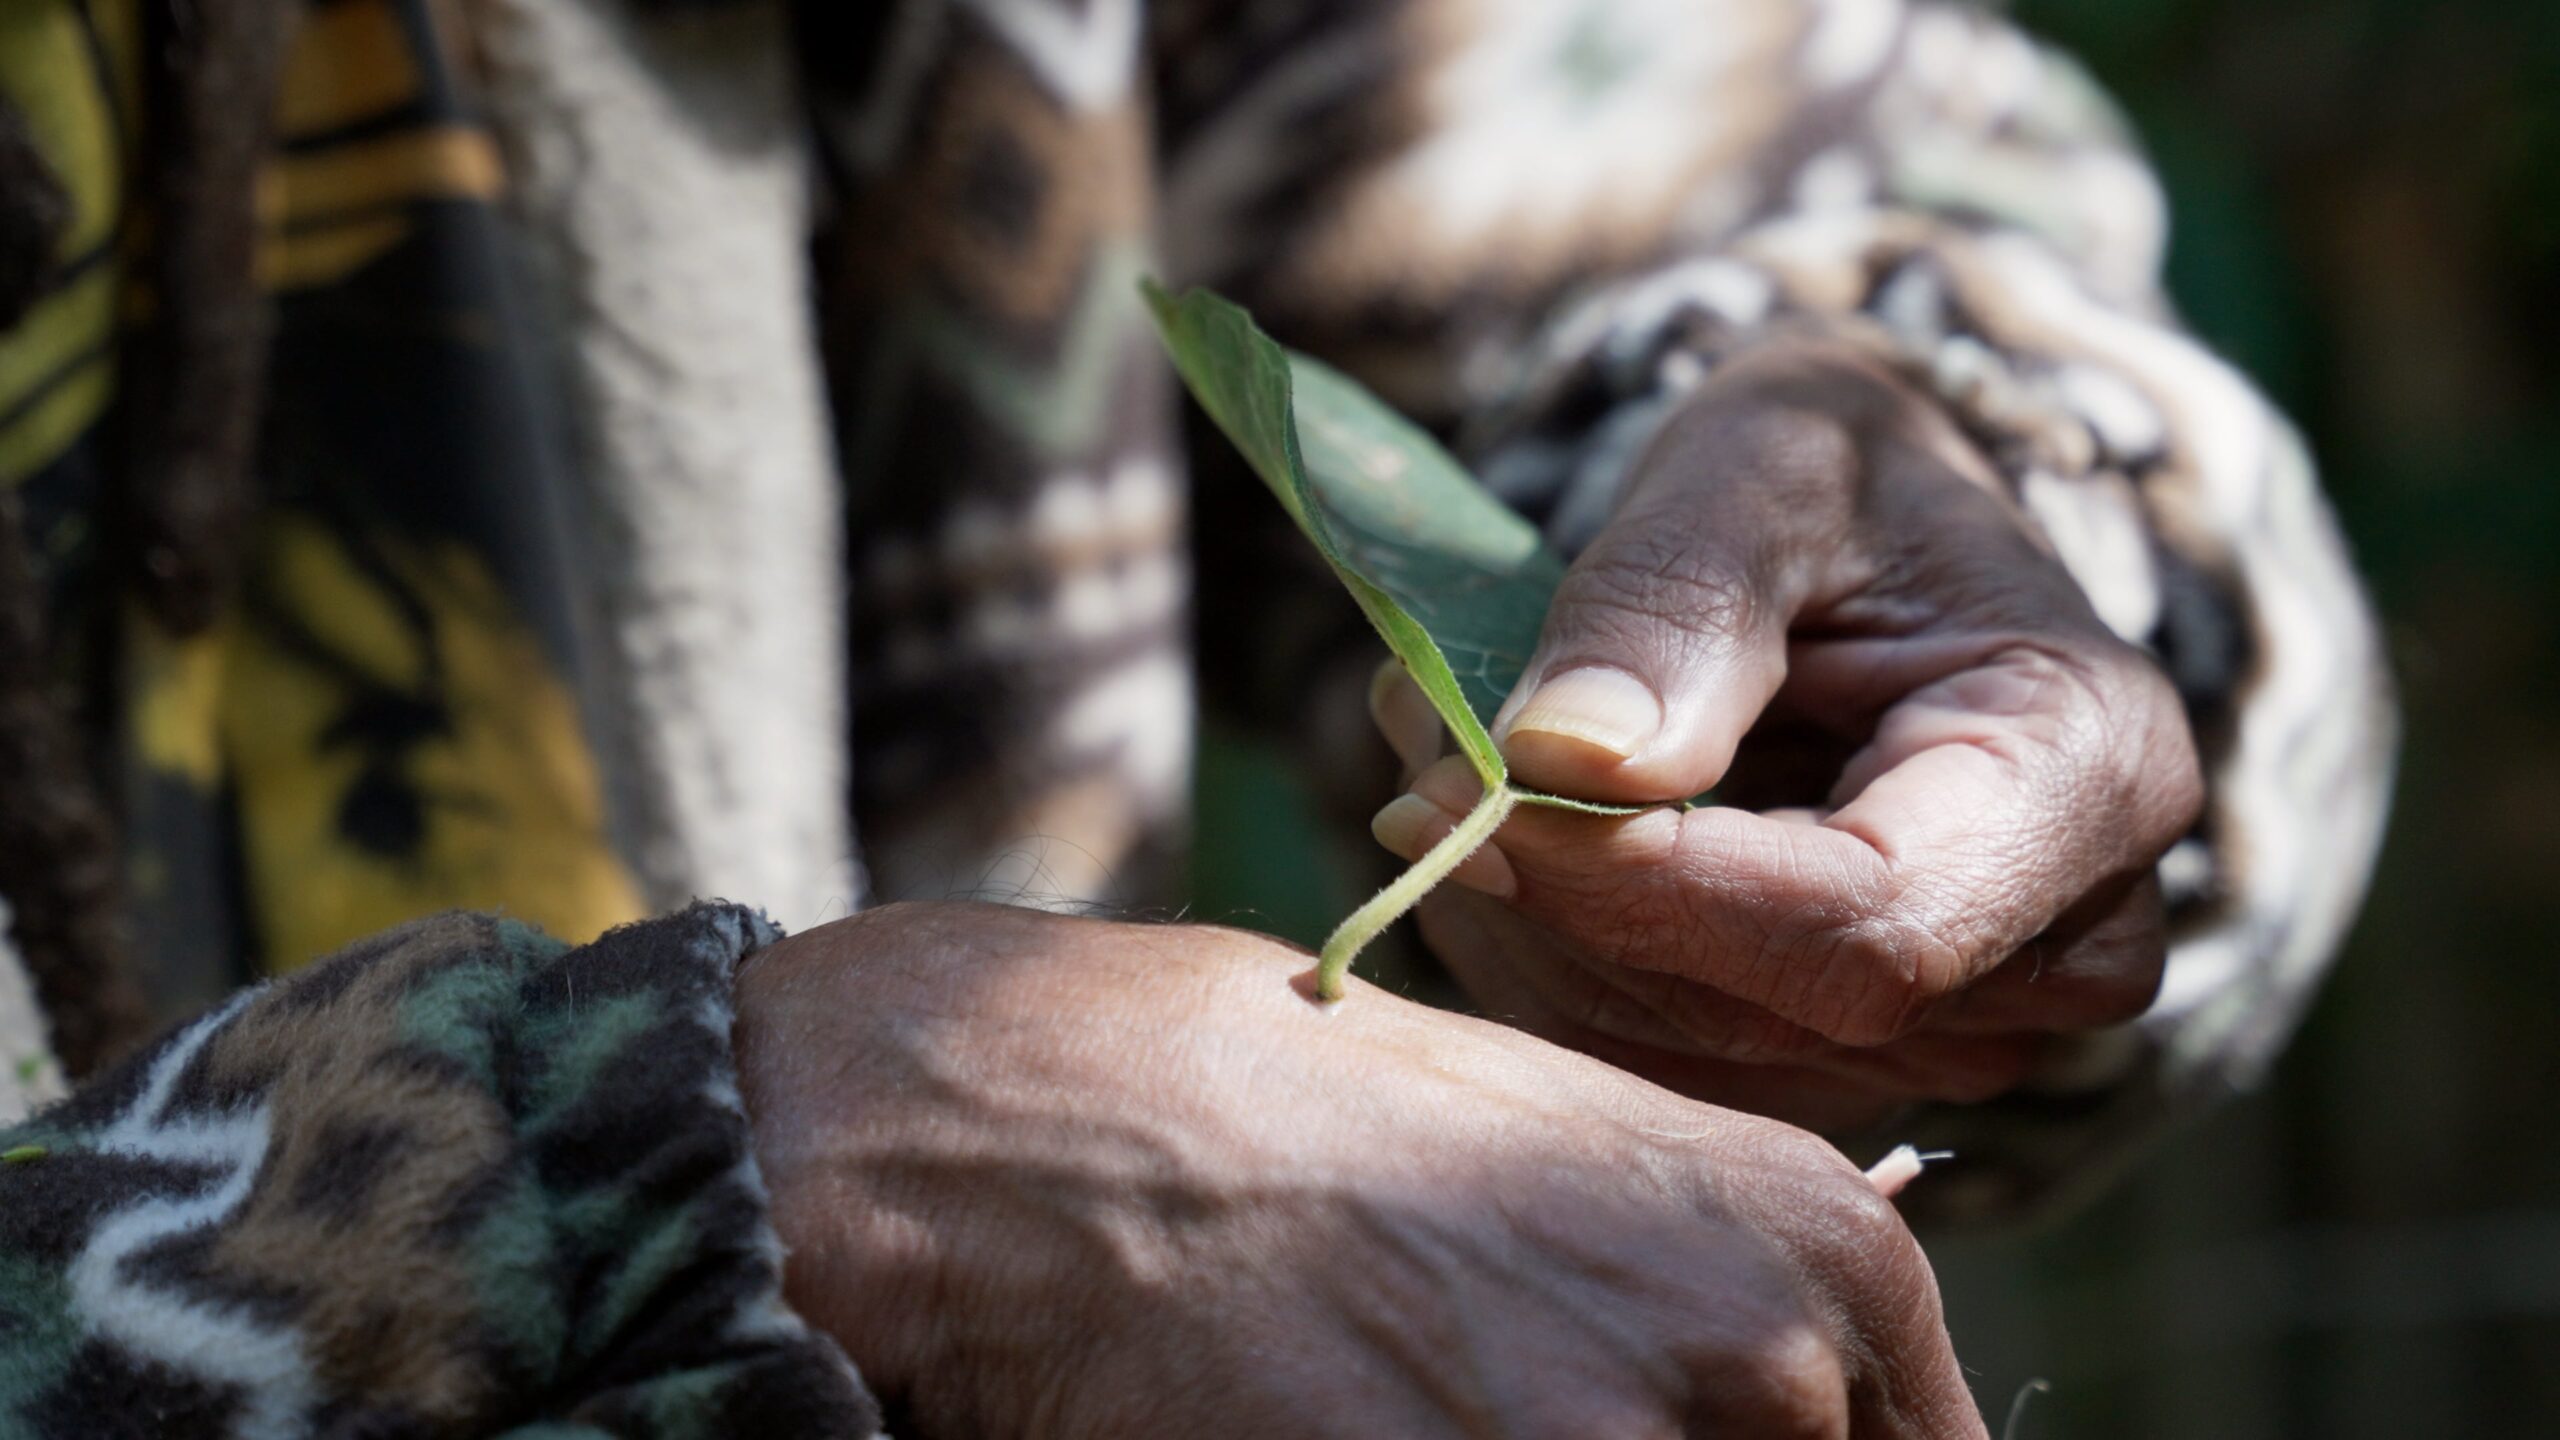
1942,782
1063,1178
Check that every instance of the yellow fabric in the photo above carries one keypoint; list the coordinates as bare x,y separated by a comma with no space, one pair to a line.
177,711
334,211
45,66
444,163
39,434
55,375
333,207
384,731
505,794
350,62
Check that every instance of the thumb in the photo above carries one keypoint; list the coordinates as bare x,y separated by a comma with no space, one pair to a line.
1667,638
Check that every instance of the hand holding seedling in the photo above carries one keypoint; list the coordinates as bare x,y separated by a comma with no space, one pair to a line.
1060,1177
1943,783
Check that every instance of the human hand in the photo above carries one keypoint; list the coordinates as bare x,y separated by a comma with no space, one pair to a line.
1943,783
1067,1178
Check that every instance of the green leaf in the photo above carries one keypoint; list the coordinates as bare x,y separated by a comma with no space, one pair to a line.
1456,582
22,1154
1453,579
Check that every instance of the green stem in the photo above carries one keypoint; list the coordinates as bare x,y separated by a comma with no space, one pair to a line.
1363,925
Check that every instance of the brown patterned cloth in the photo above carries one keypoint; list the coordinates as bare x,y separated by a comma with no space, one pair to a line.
1532,223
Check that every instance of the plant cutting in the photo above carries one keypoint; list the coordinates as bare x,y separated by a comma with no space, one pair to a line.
1454,581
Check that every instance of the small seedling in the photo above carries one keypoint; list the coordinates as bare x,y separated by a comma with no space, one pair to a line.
1455,582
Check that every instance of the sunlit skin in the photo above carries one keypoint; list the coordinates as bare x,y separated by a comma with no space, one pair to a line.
1945,783
1055,1176
1060,1177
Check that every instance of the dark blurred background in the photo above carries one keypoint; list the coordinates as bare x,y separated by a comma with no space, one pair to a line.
2368,220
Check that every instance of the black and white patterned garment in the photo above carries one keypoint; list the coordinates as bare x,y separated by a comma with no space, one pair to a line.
1562,216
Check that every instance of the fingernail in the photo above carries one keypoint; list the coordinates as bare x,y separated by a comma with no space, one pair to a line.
1899,1167
1403,716
1598,705
1382,683
1410,825
1405,826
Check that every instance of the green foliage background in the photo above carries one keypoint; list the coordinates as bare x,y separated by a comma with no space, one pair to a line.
2368,218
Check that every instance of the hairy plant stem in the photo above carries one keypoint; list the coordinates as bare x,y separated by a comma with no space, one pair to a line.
1363,925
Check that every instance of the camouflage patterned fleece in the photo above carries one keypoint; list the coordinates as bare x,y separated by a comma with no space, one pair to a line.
460,1179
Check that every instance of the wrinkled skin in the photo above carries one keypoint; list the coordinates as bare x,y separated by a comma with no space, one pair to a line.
1062,1178
1944,783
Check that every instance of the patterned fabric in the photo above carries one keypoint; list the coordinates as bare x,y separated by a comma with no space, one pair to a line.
458,1180
29,1074
1538,224
462,1168
657,169
1022,678
387,722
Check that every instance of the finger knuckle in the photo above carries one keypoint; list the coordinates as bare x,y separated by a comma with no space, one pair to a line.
1869,978
2172,756
1861,1216
1790,447
1789,1382
1854,1239
2149,751
2105,974
2124,993
1807,1158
